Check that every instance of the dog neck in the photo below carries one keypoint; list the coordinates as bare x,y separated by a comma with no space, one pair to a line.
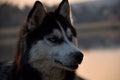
50,72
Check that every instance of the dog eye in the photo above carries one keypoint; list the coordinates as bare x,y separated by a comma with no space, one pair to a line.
53,39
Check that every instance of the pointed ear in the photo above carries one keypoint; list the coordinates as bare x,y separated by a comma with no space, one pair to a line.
36,16
64,10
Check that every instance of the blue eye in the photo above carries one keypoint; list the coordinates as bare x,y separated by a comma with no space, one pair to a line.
53,39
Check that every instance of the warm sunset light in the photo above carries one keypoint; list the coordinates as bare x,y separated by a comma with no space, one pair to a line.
43,39
22,3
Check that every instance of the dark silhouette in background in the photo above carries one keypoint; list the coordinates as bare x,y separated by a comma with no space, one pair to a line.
82,13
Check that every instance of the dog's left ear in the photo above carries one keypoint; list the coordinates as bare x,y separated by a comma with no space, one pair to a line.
36,16
64,10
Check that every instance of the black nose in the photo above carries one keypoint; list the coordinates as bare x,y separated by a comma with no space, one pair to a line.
78,57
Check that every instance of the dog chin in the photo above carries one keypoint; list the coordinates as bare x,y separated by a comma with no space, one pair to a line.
67,67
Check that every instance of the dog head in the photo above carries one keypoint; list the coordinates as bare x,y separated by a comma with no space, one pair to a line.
50,37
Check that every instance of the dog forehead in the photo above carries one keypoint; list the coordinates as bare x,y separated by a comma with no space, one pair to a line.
51,22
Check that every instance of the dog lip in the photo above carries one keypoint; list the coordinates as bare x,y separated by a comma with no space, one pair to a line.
80,62
73,66
58,62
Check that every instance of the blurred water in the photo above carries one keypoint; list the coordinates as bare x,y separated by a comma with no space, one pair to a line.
101,64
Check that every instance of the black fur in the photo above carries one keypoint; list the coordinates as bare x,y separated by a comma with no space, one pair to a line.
27,72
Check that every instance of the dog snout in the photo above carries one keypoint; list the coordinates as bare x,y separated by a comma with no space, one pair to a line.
78,56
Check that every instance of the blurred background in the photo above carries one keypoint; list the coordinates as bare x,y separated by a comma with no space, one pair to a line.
98,26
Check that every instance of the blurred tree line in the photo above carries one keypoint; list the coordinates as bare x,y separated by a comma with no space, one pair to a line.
12,15
82,12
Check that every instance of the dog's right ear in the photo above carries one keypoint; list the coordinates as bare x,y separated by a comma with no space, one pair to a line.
36,16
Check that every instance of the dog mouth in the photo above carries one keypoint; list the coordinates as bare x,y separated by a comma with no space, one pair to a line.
70,67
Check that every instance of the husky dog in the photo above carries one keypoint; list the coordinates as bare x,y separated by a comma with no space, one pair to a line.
47,47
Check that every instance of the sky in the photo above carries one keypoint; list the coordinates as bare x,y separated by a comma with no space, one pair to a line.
22,3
